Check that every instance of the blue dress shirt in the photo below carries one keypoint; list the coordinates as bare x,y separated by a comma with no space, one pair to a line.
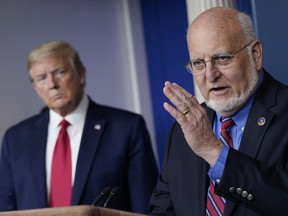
236,131
215,172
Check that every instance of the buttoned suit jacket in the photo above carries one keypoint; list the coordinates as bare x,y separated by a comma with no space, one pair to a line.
259,167
115,150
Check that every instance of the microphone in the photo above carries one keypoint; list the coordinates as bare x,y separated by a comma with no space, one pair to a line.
113,194
103,194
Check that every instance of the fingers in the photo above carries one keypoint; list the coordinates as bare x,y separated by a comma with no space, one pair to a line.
194,122
186,111
180,98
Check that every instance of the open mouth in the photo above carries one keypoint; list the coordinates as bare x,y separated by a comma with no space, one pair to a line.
219,90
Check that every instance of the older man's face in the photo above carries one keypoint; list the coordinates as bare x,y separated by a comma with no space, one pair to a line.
57,84
224,89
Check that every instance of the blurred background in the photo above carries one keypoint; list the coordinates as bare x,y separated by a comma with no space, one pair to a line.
129,47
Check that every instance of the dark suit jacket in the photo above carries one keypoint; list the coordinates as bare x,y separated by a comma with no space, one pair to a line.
183,183
117,154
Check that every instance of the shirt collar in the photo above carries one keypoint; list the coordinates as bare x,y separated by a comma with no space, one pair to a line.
78,115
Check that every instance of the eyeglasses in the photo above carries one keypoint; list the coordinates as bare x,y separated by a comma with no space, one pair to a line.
197,66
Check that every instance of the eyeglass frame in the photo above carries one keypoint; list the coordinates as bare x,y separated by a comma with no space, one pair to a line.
188,65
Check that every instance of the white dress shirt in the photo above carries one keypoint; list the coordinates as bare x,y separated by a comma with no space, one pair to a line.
75,130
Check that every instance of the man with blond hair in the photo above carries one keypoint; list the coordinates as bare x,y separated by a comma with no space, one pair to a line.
97,146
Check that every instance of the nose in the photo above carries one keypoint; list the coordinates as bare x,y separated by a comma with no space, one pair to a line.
212,72
51,81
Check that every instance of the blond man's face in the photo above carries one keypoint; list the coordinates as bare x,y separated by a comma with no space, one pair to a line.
57,84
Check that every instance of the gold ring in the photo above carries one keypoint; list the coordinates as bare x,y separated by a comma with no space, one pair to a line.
186,111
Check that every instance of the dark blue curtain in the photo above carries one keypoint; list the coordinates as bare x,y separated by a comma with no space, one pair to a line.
165,24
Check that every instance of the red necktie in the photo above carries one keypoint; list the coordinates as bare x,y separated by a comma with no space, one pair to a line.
61,172
215,203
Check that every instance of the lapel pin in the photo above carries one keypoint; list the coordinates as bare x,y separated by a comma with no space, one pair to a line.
97,127
261,121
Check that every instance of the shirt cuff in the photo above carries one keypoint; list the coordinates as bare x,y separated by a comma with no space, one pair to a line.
215,172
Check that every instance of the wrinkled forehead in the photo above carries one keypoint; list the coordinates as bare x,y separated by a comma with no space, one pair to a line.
215,28
209,35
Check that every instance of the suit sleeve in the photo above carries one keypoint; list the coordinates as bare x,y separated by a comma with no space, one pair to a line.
143,169
7,194
252,184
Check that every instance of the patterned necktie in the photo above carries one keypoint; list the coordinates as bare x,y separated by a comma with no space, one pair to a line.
225,136
61,172
215,203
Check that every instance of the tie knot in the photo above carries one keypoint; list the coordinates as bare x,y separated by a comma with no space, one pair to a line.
64,124
227,122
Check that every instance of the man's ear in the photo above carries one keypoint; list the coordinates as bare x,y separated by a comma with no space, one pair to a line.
82,75
257,54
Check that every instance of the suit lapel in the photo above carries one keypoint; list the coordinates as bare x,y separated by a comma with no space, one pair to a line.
37,150
92,132
254,132
259,117
257,124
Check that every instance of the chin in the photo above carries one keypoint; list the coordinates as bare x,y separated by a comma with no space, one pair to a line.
59,106
223,106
